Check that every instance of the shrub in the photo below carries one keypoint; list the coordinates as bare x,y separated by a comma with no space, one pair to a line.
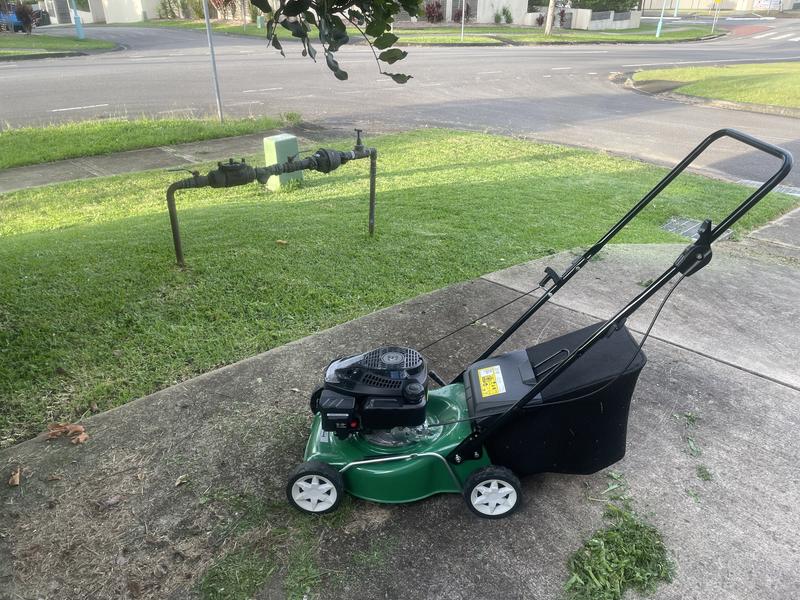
604,5
433,12
507,15
166,9
196,8
457,13
540,20
562,17
498,18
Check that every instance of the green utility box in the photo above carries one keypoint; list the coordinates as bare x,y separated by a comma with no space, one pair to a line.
278,149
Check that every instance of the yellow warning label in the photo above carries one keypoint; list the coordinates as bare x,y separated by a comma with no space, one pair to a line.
491,380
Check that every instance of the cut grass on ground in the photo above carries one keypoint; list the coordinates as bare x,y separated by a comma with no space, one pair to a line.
775,84
33,145
477,34
628,554
38,41
93,312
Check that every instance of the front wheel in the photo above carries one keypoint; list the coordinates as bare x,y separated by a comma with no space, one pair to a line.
492,492
315,487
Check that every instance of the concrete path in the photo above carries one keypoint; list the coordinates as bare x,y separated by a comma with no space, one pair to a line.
163,157
107,520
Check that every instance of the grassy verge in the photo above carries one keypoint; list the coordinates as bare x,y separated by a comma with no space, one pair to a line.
448,39
231,26
645,33
51,43
478,34
33,145
776,84
93,312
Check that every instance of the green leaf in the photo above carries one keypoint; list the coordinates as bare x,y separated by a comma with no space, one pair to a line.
398,77
297,28
334,66
385,41
393,55
277,45
295,7
376,28
309,49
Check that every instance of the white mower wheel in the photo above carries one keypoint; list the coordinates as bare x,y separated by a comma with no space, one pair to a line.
493,492
315,487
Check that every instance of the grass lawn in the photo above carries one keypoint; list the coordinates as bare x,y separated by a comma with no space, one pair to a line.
645,33
231,26
478,34
448,39
777,84
33,145
53,43
93,312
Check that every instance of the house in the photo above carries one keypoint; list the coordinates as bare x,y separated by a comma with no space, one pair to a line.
103,11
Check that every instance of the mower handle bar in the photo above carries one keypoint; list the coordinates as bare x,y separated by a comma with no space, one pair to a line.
693,258
559,280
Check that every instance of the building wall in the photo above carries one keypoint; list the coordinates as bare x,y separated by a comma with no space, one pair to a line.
740,5
129,11
98,12
487,8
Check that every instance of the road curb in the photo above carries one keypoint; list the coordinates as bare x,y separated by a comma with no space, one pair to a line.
626,81
15,57
65,54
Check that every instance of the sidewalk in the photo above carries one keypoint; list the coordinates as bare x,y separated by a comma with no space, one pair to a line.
162,157
106,517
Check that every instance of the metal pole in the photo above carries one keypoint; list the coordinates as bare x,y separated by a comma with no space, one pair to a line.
677,5
77,20
661,19
373,169
244,16
463,17
716,16
213,61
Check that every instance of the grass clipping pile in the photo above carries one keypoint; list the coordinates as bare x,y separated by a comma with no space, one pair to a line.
629,553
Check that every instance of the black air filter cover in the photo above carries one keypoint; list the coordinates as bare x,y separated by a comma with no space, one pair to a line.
385,371
389,386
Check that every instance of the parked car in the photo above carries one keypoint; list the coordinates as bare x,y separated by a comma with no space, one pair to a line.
10,22
41,17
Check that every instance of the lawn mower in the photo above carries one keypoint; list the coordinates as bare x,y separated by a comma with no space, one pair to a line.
383,433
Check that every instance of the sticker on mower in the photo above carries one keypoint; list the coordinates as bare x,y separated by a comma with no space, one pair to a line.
491,379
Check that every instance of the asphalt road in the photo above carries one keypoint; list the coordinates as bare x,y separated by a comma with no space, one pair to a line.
560,94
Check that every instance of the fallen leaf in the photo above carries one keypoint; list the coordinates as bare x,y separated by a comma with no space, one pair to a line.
295,390
181,480
94,407
281,242
80,438
14,479
70,430
54,477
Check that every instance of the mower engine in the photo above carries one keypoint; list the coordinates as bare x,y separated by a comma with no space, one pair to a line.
378,390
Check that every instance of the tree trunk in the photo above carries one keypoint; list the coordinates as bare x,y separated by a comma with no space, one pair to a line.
548,23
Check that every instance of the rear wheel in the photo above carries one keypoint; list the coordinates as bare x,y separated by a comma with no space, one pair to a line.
493,492
315,487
